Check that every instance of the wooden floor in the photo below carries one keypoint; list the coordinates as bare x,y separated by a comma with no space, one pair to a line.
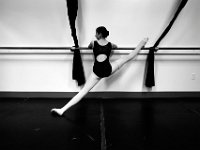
101,124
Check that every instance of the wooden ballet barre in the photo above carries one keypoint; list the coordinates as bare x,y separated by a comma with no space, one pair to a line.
86,48
62,48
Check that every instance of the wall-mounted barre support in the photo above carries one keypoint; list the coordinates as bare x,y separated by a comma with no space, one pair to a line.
86,48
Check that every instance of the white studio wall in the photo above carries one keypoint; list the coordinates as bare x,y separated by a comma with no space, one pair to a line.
45,23
52,73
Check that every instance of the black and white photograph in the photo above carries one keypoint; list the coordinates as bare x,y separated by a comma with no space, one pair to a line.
100,74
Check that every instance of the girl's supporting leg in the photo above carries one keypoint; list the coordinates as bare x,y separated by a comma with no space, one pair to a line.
116,65
91,82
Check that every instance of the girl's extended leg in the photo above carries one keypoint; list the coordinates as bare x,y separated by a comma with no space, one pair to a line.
91,82
116,65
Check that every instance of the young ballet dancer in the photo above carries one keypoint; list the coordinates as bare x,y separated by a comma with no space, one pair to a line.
102,66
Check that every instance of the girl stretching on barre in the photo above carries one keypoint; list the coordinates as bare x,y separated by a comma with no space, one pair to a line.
102,67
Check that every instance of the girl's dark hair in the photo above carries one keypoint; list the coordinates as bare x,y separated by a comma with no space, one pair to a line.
102,30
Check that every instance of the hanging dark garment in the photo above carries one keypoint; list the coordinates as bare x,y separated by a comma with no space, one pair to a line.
150,79
77,70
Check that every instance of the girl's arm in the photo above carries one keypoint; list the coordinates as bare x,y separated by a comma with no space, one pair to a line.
114,46
91,45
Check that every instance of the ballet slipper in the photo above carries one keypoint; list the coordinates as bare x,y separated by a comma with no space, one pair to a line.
57,111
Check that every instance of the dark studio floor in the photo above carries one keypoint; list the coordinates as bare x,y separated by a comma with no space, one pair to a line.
101,124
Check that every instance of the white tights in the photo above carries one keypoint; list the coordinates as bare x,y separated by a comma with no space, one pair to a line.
93,79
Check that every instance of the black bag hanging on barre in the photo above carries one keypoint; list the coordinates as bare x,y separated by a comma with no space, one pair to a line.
77,68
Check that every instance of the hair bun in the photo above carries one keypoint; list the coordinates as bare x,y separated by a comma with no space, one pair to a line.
107,32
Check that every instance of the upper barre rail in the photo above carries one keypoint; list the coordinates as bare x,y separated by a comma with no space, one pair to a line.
86,48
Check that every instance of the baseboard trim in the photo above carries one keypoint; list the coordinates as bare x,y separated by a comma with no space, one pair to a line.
101,95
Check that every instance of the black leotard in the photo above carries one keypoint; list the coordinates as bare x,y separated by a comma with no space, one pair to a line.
104,68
